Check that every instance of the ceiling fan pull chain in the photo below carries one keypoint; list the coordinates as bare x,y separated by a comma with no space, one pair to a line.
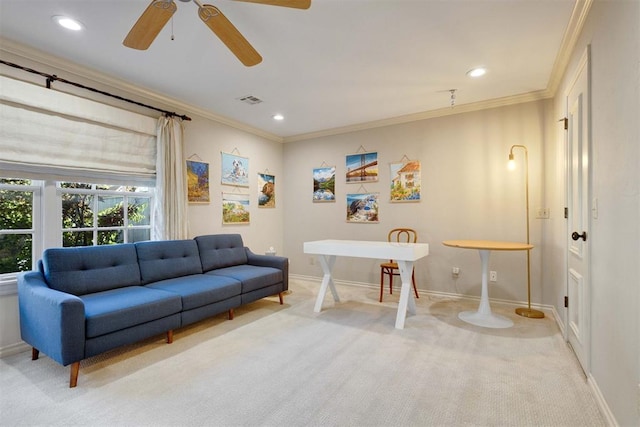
172,38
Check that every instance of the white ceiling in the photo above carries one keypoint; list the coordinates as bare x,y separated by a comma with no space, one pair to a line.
338,64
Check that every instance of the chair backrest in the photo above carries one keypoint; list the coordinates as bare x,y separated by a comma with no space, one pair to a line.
403,235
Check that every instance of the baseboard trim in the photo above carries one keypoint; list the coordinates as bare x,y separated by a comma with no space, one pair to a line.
12,349
548,309
602,403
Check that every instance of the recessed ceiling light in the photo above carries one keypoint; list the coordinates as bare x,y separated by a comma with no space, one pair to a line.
278,117
477,72
68,23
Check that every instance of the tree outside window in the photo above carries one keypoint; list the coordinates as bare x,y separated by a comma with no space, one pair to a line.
16,226
104,214
90,215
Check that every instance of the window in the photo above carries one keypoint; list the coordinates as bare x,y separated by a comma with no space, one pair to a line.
19,219
35,215
104,214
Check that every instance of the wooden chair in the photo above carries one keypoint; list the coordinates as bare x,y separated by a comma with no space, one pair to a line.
404,235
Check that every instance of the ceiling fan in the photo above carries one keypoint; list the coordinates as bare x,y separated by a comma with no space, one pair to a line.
158,13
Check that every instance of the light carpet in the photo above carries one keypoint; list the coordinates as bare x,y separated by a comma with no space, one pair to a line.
285,365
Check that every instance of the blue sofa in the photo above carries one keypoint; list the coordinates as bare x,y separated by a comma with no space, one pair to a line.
84,301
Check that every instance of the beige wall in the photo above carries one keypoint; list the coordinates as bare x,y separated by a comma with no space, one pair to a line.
10,341
613,33
205,140
467,193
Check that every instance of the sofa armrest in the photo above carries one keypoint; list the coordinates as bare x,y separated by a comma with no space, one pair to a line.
279,262
51,321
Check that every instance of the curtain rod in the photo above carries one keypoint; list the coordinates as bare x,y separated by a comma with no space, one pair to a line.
52,77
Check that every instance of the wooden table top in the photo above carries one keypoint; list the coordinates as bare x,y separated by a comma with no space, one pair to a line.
488,245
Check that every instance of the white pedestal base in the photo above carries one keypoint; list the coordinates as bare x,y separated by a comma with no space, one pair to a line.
485,320
484,316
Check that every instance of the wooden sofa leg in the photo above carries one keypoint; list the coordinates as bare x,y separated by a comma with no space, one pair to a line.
281,296
170,336
73,378
231,313
35,353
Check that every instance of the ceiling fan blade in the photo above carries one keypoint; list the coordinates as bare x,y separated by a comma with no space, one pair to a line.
296,4
229,35
148,26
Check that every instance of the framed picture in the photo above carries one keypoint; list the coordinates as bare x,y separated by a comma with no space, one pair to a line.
197,182
362,208
362,167
235,208
267,186
405,181
235,170
324,184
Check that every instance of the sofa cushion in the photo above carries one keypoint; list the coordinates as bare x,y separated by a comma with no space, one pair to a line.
166,259
221,250
251,276
117,309
200,289
88,269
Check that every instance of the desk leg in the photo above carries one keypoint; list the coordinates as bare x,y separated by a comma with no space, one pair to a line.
327,262
407,300
484,316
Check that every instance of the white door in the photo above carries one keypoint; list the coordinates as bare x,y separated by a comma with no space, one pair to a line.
579,213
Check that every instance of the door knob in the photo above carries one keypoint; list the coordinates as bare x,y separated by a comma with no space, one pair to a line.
576,236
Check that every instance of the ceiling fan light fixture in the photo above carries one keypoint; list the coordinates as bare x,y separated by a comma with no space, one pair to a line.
477,72
278,117
68,23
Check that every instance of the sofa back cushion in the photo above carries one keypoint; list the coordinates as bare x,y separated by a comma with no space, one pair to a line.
166,259
88,269
221,250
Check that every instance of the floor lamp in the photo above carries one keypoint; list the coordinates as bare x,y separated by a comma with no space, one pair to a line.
528,311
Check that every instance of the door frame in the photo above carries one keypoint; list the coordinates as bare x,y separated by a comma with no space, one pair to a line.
584,65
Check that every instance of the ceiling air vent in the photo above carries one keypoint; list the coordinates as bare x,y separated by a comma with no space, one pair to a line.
250,99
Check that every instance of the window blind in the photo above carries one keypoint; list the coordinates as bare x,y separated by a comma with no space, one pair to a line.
46,134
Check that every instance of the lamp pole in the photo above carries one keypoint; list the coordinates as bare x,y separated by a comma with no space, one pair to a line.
526,312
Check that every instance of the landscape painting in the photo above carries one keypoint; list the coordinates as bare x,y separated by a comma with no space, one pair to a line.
362,208
405,181
324,184
362,167
235,208
235,170
267,186
197,182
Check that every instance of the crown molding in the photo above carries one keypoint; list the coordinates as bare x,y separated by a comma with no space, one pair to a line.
441,112
574,28
569,40
45,59
576,23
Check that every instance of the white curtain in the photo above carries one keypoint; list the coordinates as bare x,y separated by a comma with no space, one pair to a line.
46,134
170,212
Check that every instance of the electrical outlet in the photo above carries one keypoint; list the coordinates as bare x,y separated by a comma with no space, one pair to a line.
455,271
543,213
493,276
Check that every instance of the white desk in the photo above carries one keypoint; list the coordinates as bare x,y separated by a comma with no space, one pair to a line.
484,316
403,253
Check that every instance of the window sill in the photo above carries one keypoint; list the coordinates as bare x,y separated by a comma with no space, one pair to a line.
8,286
